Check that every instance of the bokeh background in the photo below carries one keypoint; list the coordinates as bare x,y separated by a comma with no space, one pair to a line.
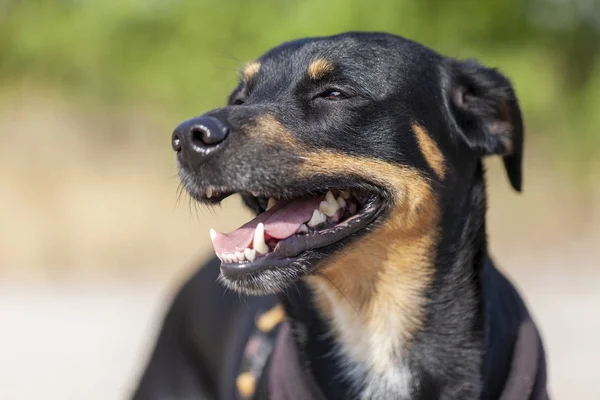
94,240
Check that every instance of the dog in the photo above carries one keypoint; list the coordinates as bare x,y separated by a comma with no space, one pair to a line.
366,272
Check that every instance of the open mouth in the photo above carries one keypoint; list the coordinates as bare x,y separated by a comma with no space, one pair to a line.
285,229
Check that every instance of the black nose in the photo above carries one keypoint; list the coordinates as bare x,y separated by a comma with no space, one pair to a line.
199,136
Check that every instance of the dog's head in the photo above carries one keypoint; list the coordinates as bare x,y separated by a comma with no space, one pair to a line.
339,140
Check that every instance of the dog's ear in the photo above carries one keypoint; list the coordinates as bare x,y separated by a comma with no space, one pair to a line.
486,113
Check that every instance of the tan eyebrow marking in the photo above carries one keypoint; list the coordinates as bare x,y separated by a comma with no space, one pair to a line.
319,68
250,69
430,151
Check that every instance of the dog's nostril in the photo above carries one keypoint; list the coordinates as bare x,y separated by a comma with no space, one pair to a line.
210,132
200,133
176,142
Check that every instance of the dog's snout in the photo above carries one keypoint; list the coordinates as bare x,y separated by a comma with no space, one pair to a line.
197,137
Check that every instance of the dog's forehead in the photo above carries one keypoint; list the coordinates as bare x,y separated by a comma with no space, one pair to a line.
378,60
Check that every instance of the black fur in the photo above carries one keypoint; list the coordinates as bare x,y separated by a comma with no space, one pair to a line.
387,83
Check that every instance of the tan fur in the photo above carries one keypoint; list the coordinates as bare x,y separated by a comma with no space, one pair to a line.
372,291
430,151
319,68
250,69
269,131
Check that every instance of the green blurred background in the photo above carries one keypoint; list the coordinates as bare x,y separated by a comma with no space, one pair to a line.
90,225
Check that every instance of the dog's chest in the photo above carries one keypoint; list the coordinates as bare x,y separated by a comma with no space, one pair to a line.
371,350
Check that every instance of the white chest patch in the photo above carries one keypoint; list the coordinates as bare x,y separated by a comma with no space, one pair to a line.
371,346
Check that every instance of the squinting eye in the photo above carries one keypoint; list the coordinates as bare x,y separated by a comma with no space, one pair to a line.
332,95
238,102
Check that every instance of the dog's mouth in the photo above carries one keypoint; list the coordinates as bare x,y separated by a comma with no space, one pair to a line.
284,230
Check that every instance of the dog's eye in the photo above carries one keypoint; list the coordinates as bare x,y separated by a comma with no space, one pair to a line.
238,102
332,94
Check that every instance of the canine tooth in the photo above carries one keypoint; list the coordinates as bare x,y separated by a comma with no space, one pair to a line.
209,192
219,256
341,202
303,229
213,234
250,254
271,203
317,218
240,256
345,194
259,239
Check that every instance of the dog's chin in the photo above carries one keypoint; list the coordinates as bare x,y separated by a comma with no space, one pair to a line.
272,280
291,237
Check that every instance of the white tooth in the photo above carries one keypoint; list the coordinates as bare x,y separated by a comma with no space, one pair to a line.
345,194
240,256
255,194
219,256
225,257
341,202
209,192
330,198
330,206
326,209
317,218
271,203
303,229
213,234
259,239
250,254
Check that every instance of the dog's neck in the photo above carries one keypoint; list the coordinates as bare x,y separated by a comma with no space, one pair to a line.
389,324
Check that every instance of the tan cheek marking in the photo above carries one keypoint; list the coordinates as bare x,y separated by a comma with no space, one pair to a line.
430,151
250,70
319,68
269,131
375,286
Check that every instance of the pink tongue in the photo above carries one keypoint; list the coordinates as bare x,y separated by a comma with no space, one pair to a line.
281,222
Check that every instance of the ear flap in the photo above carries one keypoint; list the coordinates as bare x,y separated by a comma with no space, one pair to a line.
487,114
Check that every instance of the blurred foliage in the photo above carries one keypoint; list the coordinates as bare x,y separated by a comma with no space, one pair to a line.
182,55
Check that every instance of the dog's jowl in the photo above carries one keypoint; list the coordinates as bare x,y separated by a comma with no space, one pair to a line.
365,273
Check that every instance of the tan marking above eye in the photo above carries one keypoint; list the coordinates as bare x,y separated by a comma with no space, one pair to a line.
250,70
319,68
430,151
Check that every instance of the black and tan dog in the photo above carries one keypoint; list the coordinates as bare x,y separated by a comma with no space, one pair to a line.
362,156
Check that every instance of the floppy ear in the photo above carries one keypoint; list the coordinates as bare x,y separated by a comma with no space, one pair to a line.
487,115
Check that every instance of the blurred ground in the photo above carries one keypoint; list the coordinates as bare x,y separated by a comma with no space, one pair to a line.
94,242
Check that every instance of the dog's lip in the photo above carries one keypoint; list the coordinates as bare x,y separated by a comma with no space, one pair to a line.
291,249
